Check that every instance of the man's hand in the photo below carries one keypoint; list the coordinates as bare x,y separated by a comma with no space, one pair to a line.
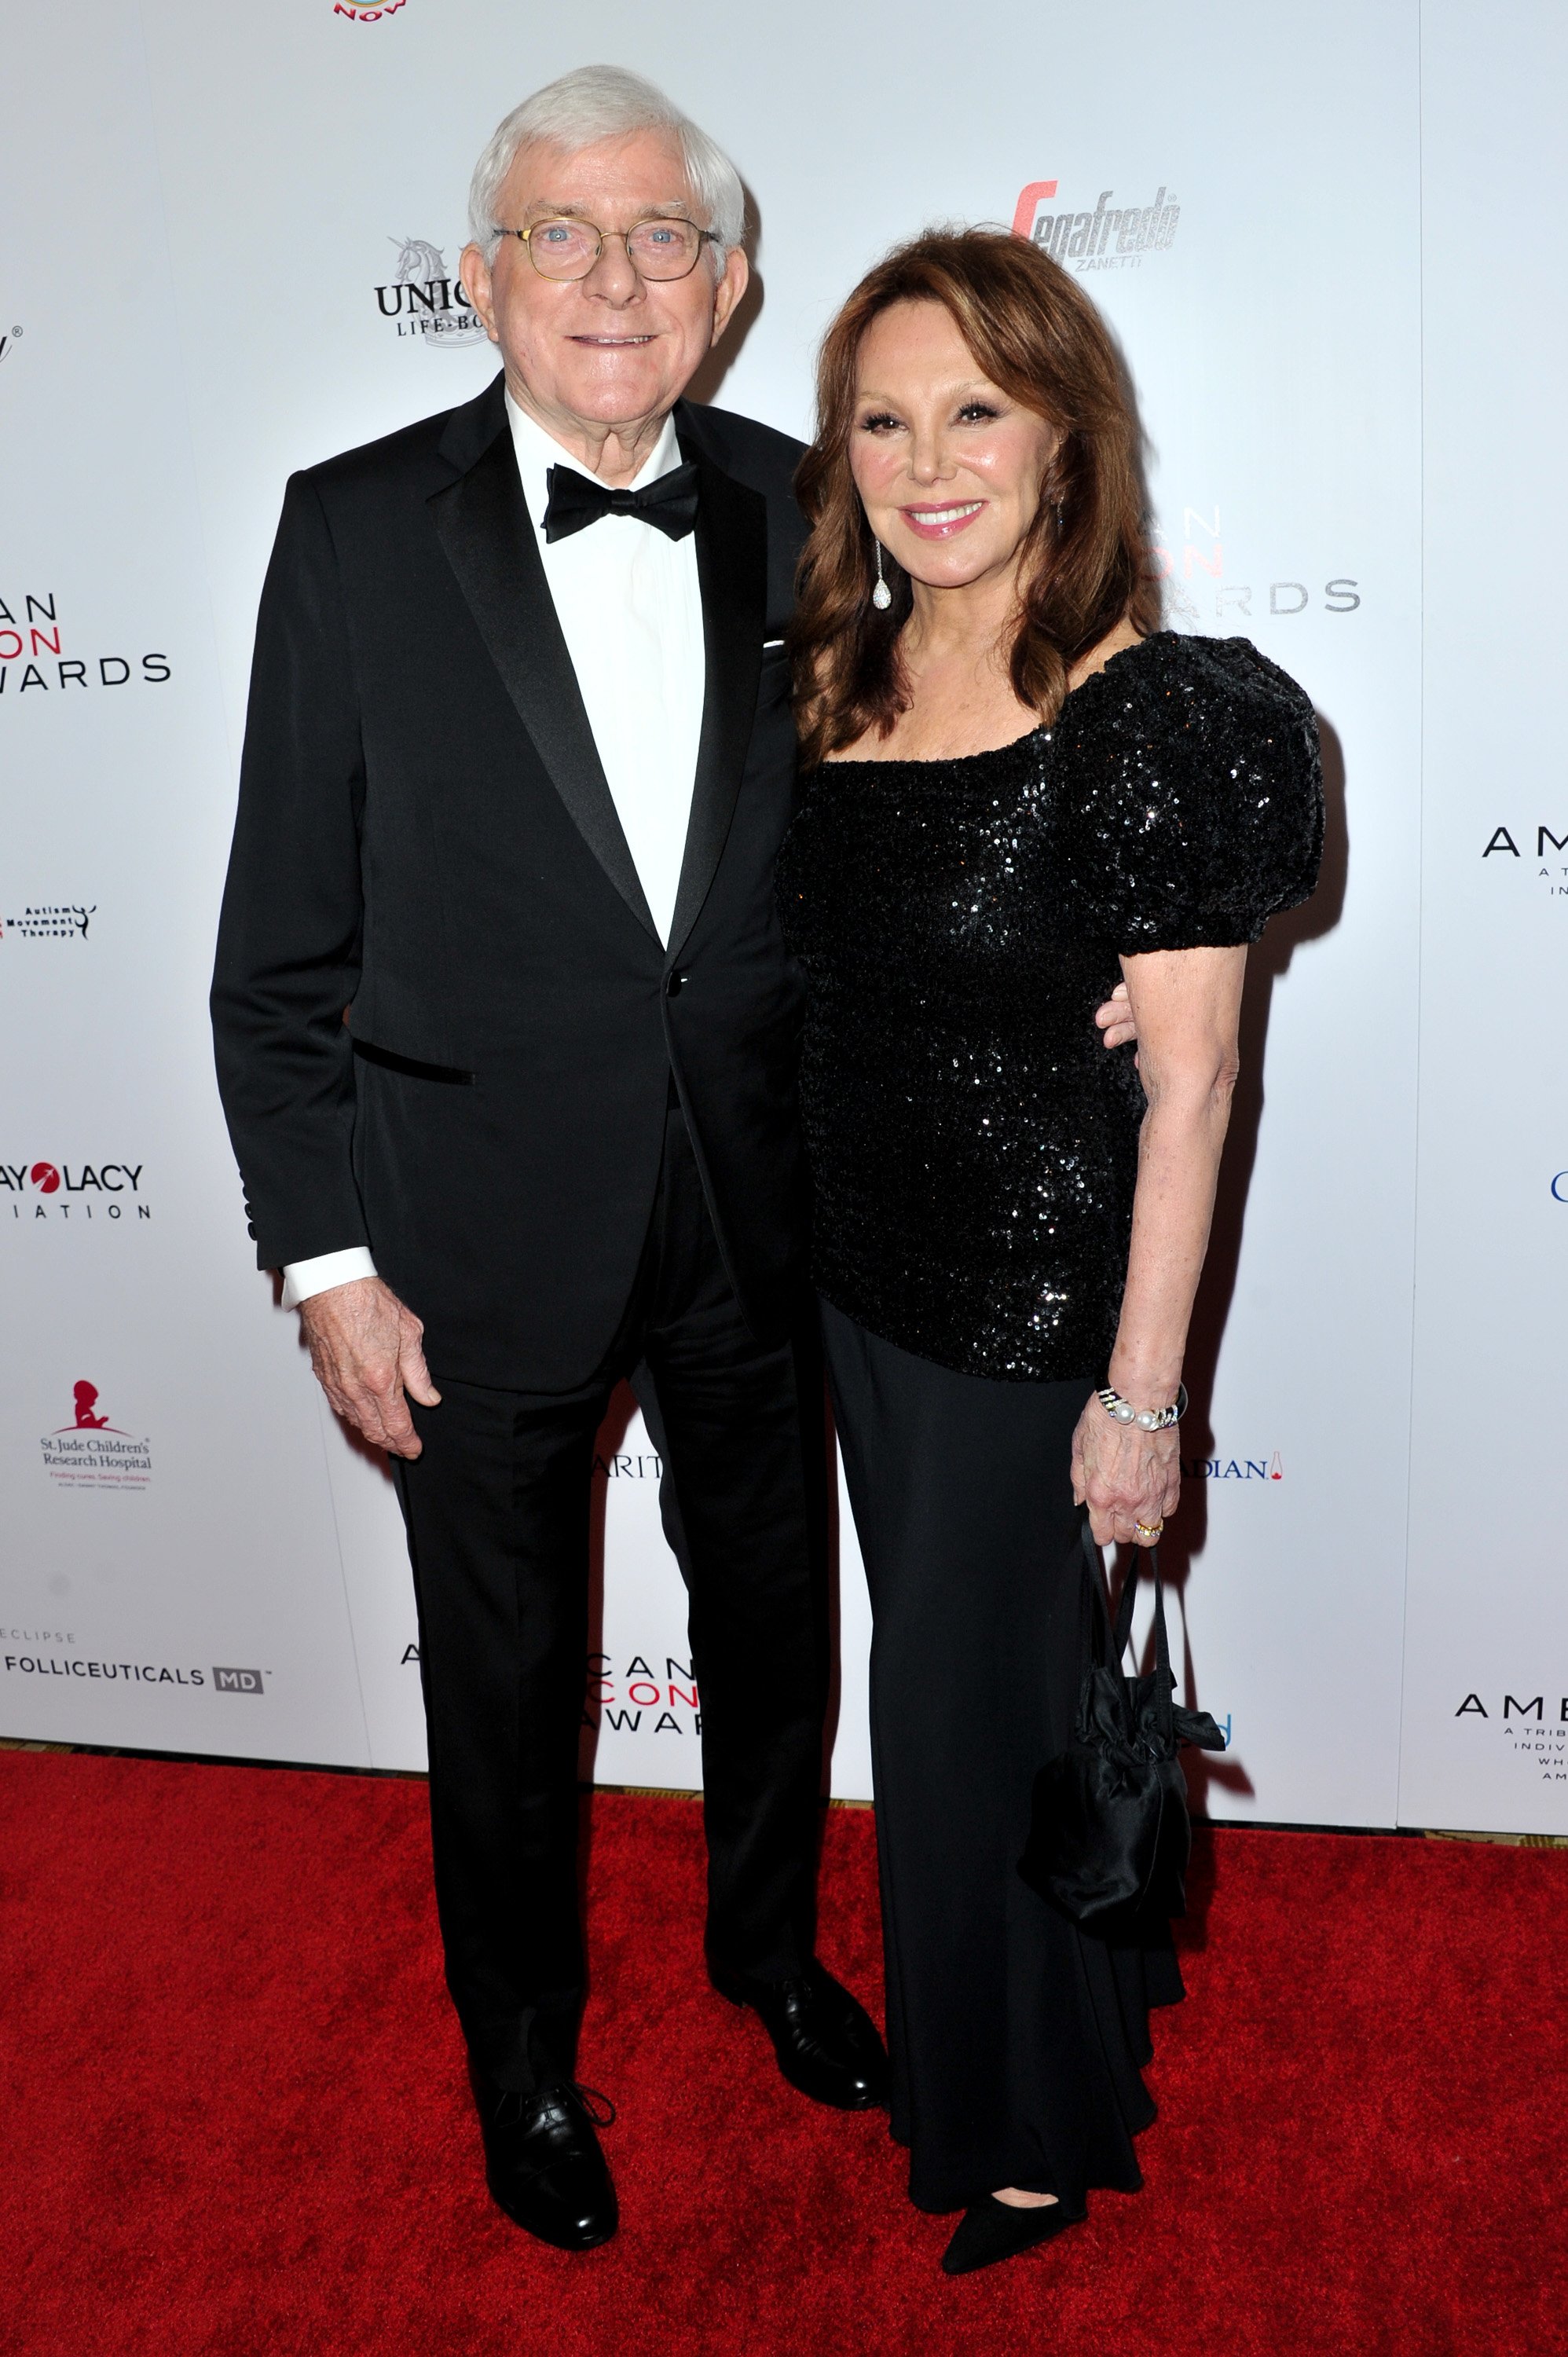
365,1349
1115,1017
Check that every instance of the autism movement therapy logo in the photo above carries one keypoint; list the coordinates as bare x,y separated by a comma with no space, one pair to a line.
425,300
90,1453
1112,237
50,920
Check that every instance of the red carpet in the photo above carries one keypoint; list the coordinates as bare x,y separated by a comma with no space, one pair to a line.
234,2119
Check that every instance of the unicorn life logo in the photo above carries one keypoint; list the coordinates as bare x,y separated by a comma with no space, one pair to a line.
425,300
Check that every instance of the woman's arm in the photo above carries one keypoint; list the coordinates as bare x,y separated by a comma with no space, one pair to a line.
1186,1005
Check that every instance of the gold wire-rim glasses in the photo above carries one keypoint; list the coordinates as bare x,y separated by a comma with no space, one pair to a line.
700,237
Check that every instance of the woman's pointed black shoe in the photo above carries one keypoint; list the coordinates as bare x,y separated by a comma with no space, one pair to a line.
993,2230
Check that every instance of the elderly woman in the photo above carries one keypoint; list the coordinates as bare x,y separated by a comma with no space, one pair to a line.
1019,791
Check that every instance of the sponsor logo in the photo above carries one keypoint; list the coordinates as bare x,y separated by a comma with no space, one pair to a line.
53,1191
50,920
8,339
142,1673
35,656
1189,562
425,301
1536,852
241,1682
1559,1187
366,12
1265,1467
622,1467
1533,1726
1112,237
635,1700
90,1453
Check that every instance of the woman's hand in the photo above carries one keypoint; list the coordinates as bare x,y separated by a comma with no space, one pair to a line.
1116,1019
1124,1474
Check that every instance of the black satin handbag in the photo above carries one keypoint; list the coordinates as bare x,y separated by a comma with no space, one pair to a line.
1111,1836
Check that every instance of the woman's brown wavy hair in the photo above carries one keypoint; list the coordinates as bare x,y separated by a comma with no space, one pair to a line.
1084,566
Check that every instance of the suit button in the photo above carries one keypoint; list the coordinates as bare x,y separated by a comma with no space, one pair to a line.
675,985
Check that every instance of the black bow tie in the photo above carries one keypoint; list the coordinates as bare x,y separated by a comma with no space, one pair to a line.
669,504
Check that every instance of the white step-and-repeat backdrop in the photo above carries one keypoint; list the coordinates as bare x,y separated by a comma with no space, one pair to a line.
1329,238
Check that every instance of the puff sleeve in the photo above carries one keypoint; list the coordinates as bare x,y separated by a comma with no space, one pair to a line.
1193,794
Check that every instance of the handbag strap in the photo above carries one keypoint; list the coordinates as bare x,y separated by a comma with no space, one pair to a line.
1121,1631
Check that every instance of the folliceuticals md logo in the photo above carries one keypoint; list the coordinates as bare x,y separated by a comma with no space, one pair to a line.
425,300
92,1452
1112,237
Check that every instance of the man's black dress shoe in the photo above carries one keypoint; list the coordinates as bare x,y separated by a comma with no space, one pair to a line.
993,2230
544,2166
826,2043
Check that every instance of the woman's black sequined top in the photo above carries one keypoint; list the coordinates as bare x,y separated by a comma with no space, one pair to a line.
974,1147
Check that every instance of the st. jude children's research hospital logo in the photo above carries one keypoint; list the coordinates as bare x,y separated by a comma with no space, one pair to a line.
1110,237
92,1453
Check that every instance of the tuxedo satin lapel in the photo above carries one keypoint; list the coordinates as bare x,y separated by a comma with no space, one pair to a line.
732,573
483,524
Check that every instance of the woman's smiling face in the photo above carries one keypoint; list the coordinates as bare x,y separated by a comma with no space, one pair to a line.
949,467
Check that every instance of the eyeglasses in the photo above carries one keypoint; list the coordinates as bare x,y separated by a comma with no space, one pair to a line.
659,249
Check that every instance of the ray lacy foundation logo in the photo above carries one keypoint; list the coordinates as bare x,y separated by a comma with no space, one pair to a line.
1110,237
425,300
92,1453
46,1189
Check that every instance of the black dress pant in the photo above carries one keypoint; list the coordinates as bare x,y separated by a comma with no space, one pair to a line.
498,1515
1015,2039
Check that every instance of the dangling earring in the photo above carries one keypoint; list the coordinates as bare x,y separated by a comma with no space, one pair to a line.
881,597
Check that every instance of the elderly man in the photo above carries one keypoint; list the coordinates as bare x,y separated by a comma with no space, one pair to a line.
518,756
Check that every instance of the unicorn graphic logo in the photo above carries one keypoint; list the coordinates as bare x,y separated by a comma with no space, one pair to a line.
425,300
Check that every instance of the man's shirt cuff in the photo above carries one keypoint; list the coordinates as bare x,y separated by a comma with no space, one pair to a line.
301,1278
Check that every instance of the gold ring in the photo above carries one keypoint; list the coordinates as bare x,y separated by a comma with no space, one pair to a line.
1147,1531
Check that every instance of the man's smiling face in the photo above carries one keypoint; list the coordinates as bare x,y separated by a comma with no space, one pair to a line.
611,350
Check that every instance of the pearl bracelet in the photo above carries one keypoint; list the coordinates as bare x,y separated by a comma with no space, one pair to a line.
1148,1419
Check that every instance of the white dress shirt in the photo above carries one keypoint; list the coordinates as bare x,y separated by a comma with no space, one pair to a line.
630,611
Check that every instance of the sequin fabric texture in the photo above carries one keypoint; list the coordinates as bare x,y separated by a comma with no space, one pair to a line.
974,1147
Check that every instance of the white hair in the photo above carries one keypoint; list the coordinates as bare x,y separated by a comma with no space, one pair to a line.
605,102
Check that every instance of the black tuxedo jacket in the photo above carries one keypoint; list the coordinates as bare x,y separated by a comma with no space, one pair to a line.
426,838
